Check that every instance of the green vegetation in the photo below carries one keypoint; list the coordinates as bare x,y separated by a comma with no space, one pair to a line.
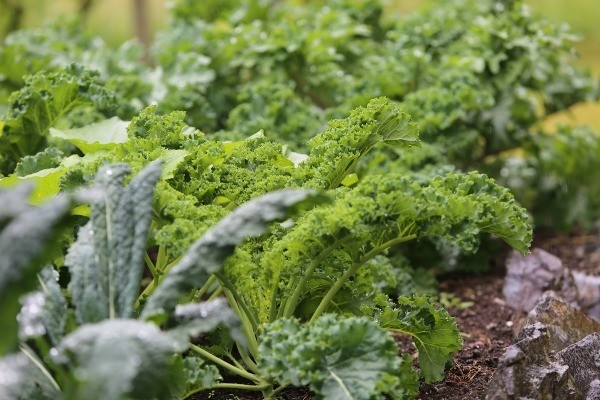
366,139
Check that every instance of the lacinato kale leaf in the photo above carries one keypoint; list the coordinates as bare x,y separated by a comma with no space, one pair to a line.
28,236
106,261
120,359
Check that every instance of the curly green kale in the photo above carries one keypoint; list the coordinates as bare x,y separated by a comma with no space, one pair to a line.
46,99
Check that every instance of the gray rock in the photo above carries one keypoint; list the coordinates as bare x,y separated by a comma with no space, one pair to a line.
588,288
594,392
528,277
528,370
583,359
566,325
547,360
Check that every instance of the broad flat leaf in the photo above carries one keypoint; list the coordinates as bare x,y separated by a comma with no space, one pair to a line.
106,261
208,254
47,180
21,379
434,333
95,137
170,161
341,358
121,359
25,242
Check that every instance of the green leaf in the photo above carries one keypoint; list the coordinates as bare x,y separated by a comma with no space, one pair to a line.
55,305
21,379
193,319
170,161
208,254
341,358
46,98
106,261
199,375
434,333
335,152
98,136
26,241
121,359
49,158
47,180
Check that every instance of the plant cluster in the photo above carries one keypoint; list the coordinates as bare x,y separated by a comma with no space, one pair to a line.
181,281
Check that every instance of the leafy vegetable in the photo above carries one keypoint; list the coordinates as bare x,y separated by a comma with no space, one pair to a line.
97,136
38,106
27,238
206,256
106,260
117,359
341,358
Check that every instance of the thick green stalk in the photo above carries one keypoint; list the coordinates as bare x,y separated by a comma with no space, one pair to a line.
202,291
284,300
154,283
151,267
248,330
292,302
240,301
352,270
216,293
224,364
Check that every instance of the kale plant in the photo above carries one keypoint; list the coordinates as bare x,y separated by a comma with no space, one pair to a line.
87,344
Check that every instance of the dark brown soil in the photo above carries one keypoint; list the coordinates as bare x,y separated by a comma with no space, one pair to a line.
488,326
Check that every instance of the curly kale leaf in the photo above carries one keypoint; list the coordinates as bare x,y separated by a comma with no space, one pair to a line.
106,261
41,103
340,358
381,212
207,255
434,333
48,158
335,153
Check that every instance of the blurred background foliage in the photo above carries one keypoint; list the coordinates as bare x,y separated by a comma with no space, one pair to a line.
118,20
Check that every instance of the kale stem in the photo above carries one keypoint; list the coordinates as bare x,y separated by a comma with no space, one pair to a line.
285,298
224,364
246,324
151,267
241,386
291,304
352,270
202,291
216,293
230,288
280,388
247,359
234,361
154,283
